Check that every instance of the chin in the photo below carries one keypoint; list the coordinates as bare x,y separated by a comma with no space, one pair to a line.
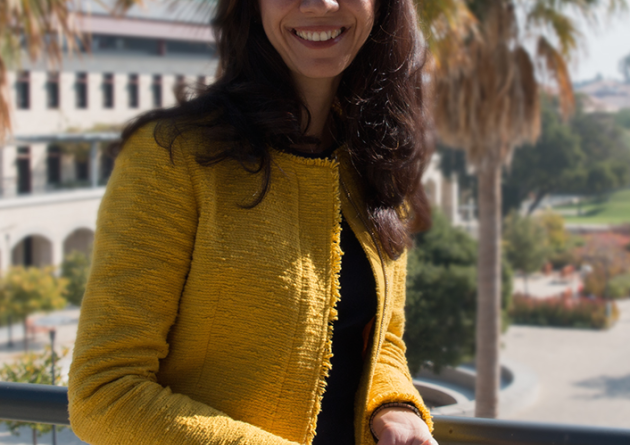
322,72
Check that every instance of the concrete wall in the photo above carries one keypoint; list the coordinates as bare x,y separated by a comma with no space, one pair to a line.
57,223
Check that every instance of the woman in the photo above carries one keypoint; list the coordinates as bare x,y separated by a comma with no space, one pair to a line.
248,281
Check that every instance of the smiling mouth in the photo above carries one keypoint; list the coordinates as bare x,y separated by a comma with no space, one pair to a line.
314,36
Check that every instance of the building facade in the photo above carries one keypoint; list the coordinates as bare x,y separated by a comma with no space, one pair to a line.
52,173
50,188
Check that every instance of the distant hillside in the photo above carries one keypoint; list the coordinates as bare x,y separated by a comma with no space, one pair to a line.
605,95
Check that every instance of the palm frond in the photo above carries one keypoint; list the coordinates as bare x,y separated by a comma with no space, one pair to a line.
446,25
555,65
5,111
543,17
491,105
592,11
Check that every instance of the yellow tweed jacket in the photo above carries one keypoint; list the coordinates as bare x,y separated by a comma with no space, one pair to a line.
207,323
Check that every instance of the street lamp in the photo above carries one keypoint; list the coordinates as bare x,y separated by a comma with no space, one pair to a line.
52,333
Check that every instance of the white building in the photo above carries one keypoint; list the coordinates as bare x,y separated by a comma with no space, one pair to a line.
49,195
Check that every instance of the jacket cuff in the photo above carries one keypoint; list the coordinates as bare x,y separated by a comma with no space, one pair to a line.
398,398
404,405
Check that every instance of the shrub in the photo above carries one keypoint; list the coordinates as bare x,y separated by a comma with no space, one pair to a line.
619,286
526,246
557,236
563,312
561,258
29,290
441,296
566,255
595,283
607,258
32,368
76,269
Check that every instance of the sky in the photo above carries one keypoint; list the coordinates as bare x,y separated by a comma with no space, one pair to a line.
603,50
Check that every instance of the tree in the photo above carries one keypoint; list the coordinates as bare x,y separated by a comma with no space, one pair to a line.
487,102
38,27
623,118
606,148
441,307
525,244
28,290
75,269
560,243
33,368
5,315
589,155
543,167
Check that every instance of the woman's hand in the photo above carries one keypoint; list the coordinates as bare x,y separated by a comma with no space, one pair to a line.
401,426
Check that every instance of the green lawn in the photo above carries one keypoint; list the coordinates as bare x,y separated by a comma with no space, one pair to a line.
613,209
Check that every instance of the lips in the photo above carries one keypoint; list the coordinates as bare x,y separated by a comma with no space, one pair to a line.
319,36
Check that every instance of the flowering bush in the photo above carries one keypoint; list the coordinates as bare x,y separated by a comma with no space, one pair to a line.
607,257
563,311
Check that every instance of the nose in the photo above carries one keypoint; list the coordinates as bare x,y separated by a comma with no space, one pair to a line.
318,6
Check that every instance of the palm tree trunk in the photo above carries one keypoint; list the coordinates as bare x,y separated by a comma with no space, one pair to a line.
488,291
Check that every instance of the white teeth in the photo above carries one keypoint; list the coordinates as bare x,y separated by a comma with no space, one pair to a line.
318,36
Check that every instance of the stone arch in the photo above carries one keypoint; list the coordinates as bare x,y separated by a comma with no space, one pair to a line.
79,240
33,250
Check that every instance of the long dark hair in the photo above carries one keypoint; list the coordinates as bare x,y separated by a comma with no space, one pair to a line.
254,104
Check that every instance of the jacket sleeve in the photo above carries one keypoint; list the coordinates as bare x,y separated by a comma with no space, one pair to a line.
392,381
142,251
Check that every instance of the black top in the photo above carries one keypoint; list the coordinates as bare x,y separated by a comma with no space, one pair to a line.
356,308
356,311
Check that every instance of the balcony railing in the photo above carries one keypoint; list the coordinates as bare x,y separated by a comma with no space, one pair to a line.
49,404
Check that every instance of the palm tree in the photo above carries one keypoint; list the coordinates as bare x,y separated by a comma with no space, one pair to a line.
486,102
37,27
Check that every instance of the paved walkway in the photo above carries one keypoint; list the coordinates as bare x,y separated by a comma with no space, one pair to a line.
584,374
544,286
